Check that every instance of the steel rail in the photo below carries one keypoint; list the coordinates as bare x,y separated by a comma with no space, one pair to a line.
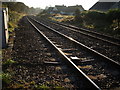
113,43
114,40
68,60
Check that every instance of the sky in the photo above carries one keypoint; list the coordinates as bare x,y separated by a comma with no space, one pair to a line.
43,3
109,0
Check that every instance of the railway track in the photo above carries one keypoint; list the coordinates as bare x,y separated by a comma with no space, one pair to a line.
94,67
109,47
38,64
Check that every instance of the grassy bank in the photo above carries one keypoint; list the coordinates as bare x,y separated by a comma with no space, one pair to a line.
14,17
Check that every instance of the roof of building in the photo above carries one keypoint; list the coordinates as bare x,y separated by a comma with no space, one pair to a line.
74,8
69,8
50,9
61,8
105,6
65,9
117,5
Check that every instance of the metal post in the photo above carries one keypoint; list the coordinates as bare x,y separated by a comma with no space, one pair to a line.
0,46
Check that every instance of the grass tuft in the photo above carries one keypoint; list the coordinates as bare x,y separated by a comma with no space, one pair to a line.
43,87
9,62
6,78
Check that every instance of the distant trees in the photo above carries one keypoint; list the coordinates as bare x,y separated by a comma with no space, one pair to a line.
16,11
16,6
21,8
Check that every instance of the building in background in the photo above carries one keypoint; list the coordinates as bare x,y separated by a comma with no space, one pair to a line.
105,6
64,10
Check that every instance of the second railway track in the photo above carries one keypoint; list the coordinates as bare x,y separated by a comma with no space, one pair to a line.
96,67
106,38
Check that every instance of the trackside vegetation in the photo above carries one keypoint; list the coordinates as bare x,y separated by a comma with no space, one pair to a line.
103,22
16,11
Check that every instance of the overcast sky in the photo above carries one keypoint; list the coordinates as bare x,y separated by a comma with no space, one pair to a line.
43,3
109,0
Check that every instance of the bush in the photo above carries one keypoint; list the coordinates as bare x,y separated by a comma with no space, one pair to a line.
14,17
113,17
96,15
9,62
78,17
